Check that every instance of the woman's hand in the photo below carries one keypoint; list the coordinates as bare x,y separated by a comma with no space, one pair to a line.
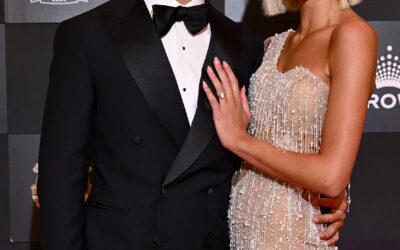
231,111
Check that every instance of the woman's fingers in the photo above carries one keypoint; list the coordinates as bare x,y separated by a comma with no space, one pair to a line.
211,98
245,103
233,81
214,79
223,78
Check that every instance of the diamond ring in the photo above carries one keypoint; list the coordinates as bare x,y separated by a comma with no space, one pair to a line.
221,95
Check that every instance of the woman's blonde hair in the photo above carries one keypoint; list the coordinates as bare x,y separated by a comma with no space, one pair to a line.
275,7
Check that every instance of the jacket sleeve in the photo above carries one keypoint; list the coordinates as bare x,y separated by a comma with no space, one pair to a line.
252,54
64,153
260,54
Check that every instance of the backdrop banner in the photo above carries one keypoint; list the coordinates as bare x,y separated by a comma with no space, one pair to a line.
384,105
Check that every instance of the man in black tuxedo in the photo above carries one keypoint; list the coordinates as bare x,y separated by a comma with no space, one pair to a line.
161,178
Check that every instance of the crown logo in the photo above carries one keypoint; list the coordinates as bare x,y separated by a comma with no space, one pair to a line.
388,70
58,1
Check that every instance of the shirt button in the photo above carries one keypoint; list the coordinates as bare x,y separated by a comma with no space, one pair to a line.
164,191
183,48
184,89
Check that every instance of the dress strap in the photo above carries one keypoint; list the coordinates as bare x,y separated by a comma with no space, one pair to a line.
280,41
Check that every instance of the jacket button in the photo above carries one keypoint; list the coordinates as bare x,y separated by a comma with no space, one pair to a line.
210,191
209,242
164,191
138,140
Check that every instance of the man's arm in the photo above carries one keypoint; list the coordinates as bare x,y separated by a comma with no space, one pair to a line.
64,147
252,55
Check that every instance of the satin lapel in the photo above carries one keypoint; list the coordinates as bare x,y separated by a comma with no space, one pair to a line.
225,43
143,53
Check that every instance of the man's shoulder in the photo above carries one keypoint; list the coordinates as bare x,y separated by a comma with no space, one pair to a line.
221,18
91,18
251,39
237,27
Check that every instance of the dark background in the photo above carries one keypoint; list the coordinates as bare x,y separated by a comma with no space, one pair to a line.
26,37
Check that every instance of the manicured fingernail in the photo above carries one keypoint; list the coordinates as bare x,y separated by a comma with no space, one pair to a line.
225,64
320,234
216,60
315,220
204,84
209,69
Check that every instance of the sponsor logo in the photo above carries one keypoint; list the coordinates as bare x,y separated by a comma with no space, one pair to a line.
387,92
56,2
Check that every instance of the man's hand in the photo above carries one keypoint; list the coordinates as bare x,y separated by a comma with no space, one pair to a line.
335,219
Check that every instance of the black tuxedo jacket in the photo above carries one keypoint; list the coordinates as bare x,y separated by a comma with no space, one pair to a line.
113,101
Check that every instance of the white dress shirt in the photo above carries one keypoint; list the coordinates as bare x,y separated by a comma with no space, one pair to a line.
186,54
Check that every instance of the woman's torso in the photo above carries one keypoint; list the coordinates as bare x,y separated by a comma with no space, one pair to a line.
288,111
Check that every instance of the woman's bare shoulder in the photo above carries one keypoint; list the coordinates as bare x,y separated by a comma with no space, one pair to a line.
354,50
354,31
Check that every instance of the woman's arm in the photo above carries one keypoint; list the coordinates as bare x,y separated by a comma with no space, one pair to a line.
352,66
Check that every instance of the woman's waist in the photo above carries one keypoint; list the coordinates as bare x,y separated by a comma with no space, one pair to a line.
286,140
250,180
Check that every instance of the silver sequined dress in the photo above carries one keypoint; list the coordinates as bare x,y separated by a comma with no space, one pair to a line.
288,111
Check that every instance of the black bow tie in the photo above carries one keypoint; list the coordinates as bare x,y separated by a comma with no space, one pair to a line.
195,18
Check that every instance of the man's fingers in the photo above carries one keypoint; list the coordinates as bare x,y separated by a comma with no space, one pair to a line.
334,239
325,218
331,230
211,98
343,206
335,216
328,202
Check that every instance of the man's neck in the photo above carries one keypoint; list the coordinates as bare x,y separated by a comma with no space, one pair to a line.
183,2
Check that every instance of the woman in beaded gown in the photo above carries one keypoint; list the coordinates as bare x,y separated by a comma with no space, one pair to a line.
306,110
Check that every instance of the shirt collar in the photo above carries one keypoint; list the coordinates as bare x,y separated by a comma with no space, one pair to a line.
172,3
